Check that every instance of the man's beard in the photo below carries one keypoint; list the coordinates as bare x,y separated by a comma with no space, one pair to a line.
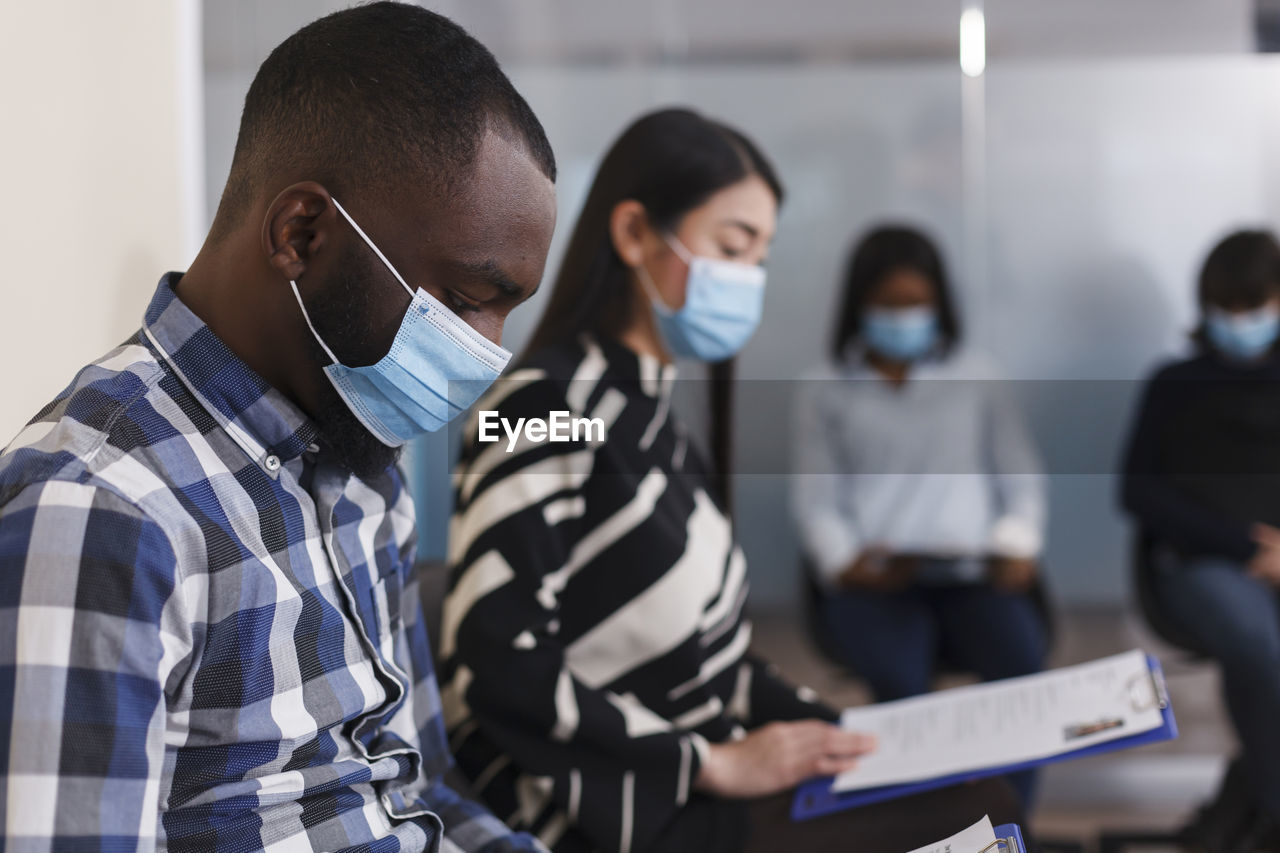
342,314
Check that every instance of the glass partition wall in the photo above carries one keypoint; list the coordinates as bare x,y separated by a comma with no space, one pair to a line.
1074,190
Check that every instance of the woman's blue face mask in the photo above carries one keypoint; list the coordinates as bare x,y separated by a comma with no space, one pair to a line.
1243,335
438,366
901,334
722,306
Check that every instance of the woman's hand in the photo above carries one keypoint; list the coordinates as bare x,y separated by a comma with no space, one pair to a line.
1012,574
778,757
877,569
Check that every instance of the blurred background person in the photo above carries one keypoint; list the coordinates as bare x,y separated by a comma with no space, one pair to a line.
1200,481
599,687
917,493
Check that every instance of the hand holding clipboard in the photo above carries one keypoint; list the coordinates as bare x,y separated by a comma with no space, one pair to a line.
989,729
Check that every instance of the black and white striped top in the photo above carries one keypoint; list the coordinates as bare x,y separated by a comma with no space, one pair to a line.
593,640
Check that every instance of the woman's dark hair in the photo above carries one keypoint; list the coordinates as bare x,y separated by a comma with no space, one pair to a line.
671,161
883,250
1242,271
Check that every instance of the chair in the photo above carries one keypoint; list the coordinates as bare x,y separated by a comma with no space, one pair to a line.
811,593
1224,824
1142,570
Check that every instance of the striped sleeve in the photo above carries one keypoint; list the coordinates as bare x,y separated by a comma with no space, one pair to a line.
619,772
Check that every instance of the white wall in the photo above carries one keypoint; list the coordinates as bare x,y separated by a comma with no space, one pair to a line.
103,180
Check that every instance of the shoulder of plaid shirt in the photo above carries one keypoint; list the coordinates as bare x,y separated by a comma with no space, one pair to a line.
208,633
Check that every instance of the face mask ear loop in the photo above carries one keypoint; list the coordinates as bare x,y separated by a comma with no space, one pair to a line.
682,252
651,290
376,250
307,317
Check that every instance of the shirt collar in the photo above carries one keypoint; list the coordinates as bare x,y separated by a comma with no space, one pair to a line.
270,428
854,365
654,378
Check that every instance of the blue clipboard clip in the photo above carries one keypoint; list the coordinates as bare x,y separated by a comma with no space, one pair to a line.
1008,840
815,797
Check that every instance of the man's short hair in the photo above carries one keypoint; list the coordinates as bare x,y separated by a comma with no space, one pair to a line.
370,98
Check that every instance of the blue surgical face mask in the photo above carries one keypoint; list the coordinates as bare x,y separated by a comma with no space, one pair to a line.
436,368
901,334
722,306
1243,335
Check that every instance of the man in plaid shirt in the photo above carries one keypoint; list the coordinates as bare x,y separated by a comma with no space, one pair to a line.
209,637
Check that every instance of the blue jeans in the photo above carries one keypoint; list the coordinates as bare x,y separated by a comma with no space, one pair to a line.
894,640
1236,618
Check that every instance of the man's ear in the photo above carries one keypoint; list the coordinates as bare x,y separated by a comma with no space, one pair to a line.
296,226
628,228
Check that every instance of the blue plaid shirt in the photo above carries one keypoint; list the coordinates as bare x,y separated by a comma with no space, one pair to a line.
209,636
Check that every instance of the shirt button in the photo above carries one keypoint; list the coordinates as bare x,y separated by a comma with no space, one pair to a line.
272,463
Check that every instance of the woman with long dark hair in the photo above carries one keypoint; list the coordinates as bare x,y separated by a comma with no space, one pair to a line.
598,685
918,493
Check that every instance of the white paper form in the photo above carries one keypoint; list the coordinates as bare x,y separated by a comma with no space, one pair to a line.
1003,722
975,839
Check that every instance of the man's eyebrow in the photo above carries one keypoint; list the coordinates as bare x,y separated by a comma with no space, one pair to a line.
488,272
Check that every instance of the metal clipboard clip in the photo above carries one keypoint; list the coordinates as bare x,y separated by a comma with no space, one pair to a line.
1008,845
1158,697
1147,692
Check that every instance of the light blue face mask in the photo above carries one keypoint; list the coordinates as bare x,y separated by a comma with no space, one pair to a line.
722,306
901,334
436,368
1244,335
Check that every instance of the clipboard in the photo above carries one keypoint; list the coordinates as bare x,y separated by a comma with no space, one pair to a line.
1008,840
815,797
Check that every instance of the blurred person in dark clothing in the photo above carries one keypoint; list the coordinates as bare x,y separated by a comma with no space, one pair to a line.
1200,480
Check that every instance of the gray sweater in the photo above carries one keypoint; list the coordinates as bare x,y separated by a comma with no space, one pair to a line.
941,465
